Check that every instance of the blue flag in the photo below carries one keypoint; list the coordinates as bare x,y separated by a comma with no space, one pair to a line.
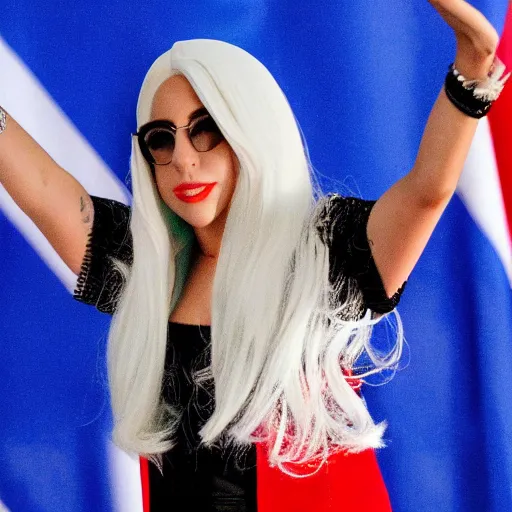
361,78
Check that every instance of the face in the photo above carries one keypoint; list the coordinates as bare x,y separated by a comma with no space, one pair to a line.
176,101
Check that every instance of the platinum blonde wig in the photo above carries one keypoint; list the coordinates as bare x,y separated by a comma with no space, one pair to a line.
279,343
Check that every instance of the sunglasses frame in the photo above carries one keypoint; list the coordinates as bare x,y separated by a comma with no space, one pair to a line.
162,123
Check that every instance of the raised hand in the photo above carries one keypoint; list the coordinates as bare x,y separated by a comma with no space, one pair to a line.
477,40
404,217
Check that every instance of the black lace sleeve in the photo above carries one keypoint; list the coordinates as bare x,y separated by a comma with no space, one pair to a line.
99,282
343,228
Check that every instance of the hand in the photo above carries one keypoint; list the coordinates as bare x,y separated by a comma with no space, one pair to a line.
477,40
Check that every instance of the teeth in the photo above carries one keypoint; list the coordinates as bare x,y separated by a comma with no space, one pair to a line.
193,191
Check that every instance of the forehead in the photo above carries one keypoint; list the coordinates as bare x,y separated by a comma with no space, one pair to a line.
175,100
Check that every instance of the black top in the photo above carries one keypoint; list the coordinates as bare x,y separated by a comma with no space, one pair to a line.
195,477
208,478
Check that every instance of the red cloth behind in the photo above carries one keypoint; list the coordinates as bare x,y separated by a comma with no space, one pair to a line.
345,482
144,478
500,122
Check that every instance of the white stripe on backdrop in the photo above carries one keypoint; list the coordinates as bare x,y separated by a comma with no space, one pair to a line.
480,189
125,474
29,103
25,98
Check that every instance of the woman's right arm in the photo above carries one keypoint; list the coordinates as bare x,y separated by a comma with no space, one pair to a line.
55,201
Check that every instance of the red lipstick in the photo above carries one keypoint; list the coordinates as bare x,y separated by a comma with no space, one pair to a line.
205,188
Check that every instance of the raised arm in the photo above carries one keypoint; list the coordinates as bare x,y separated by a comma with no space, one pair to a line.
403,219
57,203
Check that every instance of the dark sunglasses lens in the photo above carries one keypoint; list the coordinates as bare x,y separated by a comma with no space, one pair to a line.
160,143
205,134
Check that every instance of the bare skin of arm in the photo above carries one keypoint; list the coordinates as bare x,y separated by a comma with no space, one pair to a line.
55,201
404,217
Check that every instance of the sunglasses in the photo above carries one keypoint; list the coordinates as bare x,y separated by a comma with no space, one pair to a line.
157,139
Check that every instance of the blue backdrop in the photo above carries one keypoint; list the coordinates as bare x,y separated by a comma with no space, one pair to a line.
361,77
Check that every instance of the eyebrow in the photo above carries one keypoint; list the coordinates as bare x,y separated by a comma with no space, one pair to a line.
199,112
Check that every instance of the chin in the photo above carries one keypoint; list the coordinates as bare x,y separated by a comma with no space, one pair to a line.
199,219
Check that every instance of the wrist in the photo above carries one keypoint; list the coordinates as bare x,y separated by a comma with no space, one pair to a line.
473,65
475,97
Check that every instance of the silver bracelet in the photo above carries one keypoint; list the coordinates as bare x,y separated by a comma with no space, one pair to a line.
3,119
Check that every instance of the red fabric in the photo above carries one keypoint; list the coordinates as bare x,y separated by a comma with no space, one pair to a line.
144,477
345,482
500,117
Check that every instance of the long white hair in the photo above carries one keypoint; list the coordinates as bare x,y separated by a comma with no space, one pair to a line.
279,339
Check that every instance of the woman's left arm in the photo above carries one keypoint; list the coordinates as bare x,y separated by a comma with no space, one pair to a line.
402,220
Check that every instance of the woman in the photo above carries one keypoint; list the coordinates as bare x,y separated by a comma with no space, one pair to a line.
289,293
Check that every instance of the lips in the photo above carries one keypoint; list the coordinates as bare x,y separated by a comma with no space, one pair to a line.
193,192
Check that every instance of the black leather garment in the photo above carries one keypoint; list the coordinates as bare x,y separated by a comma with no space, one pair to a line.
195,477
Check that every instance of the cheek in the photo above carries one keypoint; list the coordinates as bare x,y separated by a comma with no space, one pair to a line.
230,166
164,185
234,171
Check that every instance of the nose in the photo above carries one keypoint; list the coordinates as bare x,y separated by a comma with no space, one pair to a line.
184,155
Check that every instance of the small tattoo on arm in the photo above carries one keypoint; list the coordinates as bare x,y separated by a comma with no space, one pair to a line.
85,208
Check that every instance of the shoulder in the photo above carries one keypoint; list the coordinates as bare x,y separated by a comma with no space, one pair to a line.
100,281
338,216
110,233
342,222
